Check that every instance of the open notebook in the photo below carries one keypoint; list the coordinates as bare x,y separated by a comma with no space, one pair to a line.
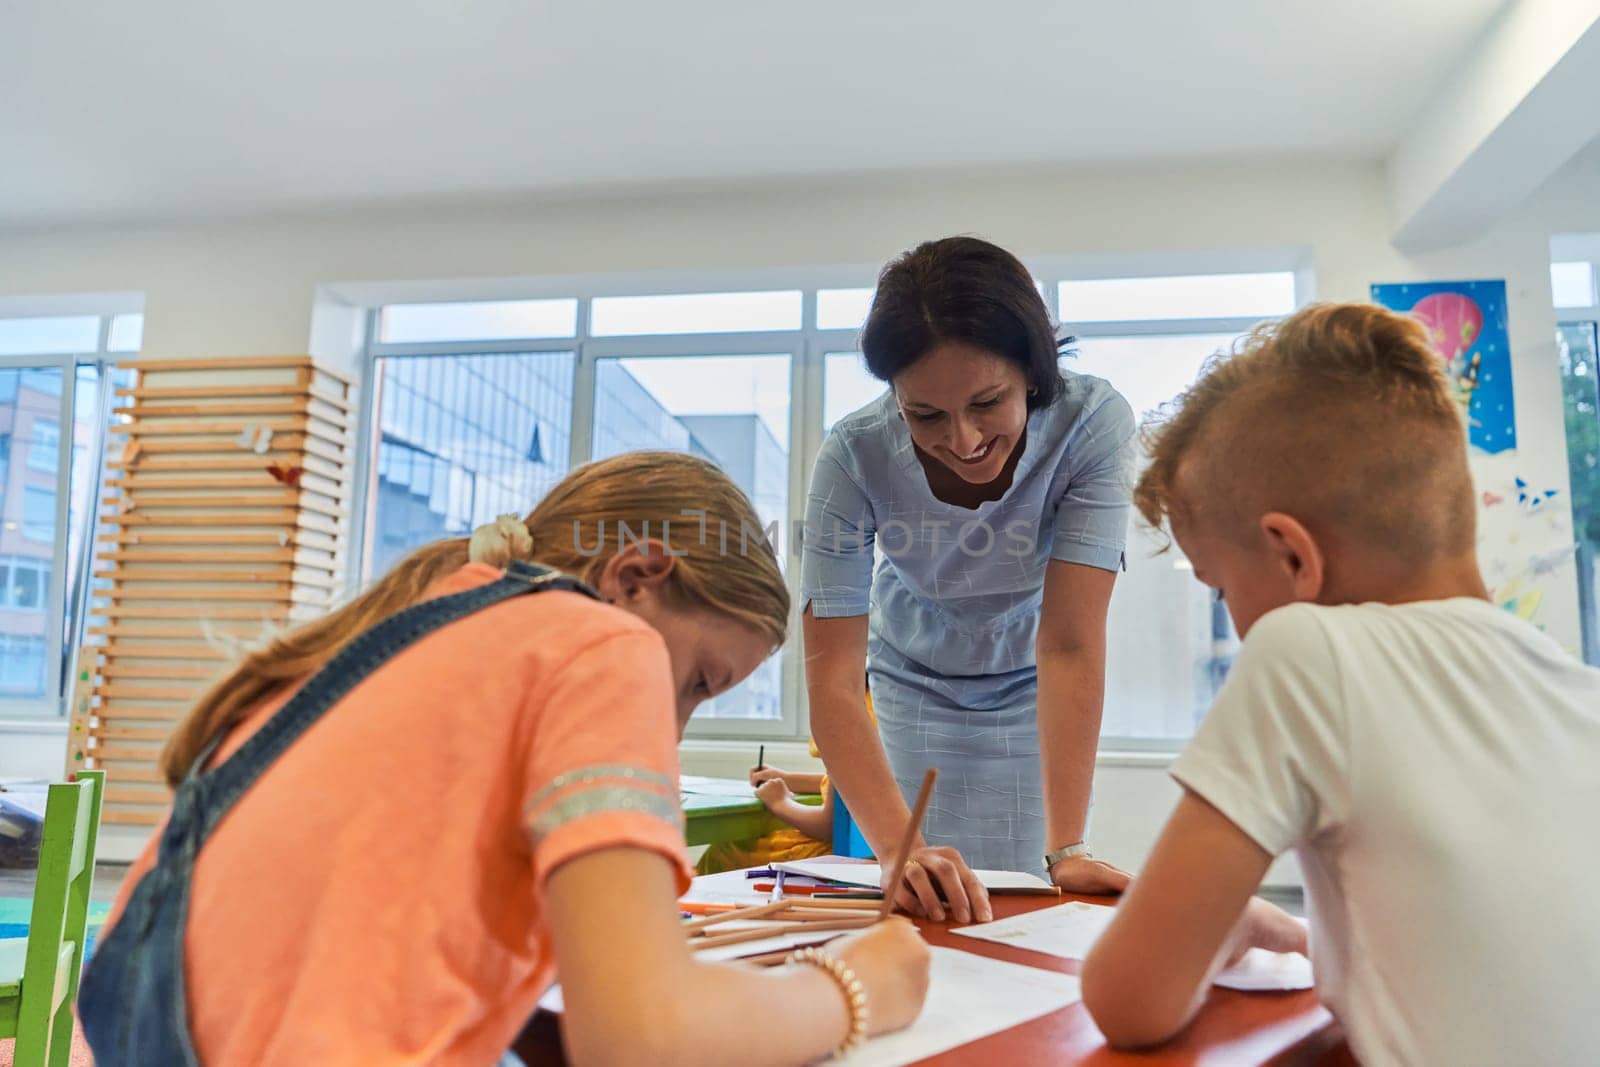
870,875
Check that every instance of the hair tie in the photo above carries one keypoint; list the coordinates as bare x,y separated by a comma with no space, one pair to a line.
499,542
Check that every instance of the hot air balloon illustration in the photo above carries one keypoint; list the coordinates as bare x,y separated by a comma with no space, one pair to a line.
1454,322
1465,323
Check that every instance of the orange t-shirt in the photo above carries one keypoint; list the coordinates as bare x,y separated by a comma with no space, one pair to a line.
376,897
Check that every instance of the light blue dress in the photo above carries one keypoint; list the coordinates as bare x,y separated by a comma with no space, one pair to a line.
954,605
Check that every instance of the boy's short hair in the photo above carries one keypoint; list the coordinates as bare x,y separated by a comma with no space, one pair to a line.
1340,415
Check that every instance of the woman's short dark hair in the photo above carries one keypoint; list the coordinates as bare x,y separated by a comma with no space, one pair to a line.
968,290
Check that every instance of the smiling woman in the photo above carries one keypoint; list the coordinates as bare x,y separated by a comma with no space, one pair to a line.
996,486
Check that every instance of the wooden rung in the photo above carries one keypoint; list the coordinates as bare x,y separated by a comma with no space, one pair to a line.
264,518
195,632
333,451
281,497
160,672
137,796
247,407
118,817
150,572
154,692
276,595
268,613
134,555
224,443
132,753
223,428
219,392
124,649
259,537
136,774
240,460
255,477
132,733
284,497
220,364
205,392
138,484
118,712
192,629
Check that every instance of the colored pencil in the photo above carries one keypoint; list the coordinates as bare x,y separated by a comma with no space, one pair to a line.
913,828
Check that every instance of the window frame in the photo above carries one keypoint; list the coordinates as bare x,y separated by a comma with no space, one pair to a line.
807,347
1589,635
63,651
1108,330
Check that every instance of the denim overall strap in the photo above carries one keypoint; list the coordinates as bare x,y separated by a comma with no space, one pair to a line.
133,1001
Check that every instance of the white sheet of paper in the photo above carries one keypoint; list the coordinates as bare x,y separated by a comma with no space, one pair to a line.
968,997
871,875
1070,930
766,944
1066,930
715,787
726,887
1263,970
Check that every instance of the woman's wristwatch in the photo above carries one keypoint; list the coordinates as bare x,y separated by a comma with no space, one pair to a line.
1053,858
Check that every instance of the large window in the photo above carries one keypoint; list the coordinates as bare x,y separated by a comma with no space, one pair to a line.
461,439
480,407
1580,387
732,410
1169,638
53,434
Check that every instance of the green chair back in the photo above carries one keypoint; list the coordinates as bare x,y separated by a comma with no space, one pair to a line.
39,973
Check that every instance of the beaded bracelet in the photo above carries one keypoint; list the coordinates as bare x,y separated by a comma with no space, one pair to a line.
855,996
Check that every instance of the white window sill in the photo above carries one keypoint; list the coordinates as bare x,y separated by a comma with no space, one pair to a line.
33,726
714,757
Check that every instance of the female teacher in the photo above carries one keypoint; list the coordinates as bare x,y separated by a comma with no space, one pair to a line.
996,488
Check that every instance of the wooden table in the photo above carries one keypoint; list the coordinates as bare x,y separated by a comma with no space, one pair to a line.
1233,1029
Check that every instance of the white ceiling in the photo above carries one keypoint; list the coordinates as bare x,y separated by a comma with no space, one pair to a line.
143,109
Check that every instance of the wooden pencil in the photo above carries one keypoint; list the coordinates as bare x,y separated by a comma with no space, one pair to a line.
756,912
718,940
913,828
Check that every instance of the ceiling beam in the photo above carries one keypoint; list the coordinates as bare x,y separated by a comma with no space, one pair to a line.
1524,102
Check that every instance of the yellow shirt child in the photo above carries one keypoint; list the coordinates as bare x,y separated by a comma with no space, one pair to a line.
810,829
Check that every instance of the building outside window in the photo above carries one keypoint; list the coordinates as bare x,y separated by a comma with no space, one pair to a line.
51,374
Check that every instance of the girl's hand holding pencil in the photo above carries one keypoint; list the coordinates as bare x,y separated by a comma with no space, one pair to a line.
761,775
892,961
773,791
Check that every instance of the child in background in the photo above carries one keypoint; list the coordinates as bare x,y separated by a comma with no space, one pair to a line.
364,928
1433,761
810,830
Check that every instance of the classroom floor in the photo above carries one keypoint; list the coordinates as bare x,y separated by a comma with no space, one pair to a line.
107,877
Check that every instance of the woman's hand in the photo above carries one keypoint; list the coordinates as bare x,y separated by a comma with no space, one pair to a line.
932,873
1268,926
1089,876
773,791
891,960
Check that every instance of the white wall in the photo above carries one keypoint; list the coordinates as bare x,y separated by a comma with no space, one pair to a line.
251,287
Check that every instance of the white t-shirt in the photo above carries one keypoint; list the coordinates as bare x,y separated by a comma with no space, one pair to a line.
1436,767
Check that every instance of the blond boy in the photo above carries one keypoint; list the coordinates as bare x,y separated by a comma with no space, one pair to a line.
1433,761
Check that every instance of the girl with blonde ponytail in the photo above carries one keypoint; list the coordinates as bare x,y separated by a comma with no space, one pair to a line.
415,808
